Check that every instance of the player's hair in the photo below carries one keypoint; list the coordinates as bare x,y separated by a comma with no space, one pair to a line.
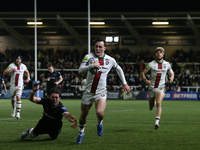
100,40
55,90
18,56
50,66
160,49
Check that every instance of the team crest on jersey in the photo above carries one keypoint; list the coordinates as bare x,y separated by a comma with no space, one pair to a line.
107,62
164,66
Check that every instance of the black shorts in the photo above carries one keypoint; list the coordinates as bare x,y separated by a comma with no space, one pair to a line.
46,127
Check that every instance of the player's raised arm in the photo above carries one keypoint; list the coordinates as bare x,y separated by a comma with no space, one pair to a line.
32,96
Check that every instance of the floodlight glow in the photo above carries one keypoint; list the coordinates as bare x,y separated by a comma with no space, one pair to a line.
160,23
33,23
97,23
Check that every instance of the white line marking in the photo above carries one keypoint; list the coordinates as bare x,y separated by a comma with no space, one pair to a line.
121,110
7,118
188,106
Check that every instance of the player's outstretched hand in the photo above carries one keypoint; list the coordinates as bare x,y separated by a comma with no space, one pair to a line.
36,86
127,88
74,125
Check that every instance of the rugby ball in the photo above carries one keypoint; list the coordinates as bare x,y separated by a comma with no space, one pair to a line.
91,61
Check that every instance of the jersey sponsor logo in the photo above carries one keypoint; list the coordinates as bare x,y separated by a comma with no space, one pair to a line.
8,67
49,115
102,69
84,59
147,66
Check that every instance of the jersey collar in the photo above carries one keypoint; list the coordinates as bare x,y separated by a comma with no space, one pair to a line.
158,62
100,57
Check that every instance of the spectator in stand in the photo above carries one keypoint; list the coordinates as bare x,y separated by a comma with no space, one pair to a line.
183,78
177,88
198,79
187,83
131,80
142,85
181,56
66,85
136,73
141,65
176,81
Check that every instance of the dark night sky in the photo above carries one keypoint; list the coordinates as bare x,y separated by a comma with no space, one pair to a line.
100,6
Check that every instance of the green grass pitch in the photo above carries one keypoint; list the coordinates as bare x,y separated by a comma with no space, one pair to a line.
128,125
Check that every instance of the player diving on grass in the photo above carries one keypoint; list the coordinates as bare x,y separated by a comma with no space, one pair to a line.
95,90
53,112
156,92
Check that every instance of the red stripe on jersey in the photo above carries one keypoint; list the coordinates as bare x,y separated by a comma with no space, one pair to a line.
95,82
159,66
158,76
97,77
16,79
101,61
18,68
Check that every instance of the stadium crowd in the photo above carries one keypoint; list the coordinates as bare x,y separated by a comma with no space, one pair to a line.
186,66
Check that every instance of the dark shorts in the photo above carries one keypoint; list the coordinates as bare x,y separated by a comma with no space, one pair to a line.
45,127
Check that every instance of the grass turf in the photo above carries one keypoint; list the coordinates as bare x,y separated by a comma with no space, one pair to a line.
127,125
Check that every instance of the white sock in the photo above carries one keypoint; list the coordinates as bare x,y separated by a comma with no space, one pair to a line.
14,106
157,120
81,129
19,106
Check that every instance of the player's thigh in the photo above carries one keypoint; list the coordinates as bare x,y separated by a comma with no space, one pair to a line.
12,91
159,96
151,101
85,109
41,128
100,105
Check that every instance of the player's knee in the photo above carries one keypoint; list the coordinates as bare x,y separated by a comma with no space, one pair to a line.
100,114
158,104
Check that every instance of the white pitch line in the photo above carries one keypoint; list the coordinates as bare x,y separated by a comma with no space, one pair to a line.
7,118
121,110
188,106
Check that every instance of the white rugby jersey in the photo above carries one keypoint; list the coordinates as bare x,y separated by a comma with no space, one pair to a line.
96,83
158,72
17,76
